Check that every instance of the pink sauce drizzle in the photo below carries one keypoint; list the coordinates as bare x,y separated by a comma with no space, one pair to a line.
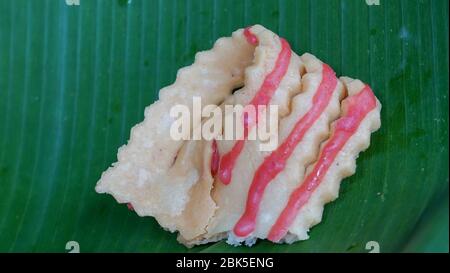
251,38
215,158
276,161
357,108
262,97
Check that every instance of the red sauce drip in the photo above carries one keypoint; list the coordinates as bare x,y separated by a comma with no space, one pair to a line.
262,97
251,38
357,108
276,161
130,207
215,158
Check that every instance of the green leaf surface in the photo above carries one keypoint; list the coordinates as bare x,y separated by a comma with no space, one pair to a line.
432,231
75,79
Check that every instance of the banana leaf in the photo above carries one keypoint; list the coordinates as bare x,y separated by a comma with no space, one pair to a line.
76,75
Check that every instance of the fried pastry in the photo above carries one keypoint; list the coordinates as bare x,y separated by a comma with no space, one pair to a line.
209,190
